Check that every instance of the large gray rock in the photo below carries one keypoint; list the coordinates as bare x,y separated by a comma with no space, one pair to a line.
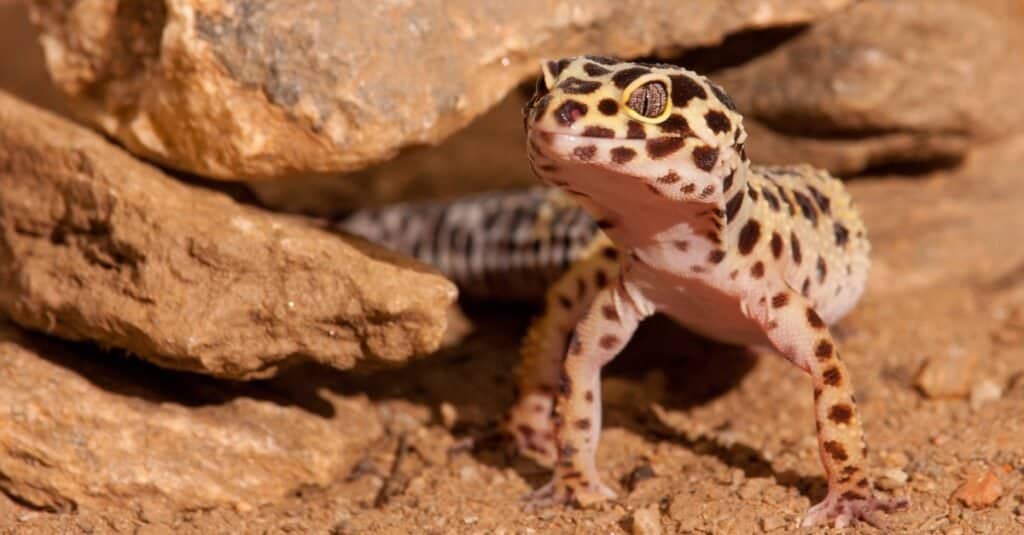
249,89
95,245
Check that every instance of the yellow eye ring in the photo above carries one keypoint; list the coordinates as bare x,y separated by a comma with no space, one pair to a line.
648,98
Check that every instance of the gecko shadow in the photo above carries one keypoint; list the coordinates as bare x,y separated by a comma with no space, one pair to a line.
664,364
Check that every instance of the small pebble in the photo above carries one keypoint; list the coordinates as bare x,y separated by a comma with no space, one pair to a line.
946,376
984,392
647,521
470,520
979,491
892,479
449,415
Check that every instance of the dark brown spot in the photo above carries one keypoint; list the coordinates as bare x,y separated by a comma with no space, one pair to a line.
556,67
714,237
682,245
814,319
832,376
707,191
805,290
773,202
608,341
717,121
569,112
823,350
609,313
594,69
610,253
749,235
817,393
654,189
836,450
776,245
794,244
583,424
608,106
684,88
663,146
757,270
598,131
626,76
670,177
850,470
716,256
697,269
842,234
565,384
733,274
689,188
822,270
525,430
675,124
733,206
705,157
581,288
635,130
604,224
752,193
807,207
824,203
840,413
863,483
565,302
575,86
600,279
567,450
780,300
572,474
584,153
589,396
621,155
727,182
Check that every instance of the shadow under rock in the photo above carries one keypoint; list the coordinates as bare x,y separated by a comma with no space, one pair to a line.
119,373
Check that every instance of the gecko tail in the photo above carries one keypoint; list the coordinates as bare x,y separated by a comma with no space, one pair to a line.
497,245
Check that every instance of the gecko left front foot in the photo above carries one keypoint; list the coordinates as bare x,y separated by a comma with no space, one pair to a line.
558,492
848,507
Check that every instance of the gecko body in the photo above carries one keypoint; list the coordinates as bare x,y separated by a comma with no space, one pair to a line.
680,223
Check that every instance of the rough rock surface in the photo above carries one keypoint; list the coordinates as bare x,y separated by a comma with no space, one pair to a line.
245,88
80,430
96,245
886,82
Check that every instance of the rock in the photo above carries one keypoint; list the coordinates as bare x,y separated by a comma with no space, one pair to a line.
24,72
885,83
97,246
984,392
947,377
248,89
79,430
647,521
892,479
979,491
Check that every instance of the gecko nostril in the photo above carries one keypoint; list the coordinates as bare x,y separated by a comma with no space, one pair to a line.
570,112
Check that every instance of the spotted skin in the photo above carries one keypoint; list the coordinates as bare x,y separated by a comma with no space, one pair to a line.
658,211
702,236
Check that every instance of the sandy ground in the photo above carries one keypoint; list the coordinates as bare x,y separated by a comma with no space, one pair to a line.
699,437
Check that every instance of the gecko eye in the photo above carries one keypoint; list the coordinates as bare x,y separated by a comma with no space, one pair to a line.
647,99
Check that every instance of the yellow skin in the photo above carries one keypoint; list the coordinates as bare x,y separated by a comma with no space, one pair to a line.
742,254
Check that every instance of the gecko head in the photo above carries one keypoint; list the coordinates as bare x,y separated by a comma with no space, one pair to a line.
595,120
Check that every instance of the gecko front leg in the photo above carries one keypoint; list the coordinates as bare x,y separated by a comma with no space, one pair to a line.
604,330
531,420
796,330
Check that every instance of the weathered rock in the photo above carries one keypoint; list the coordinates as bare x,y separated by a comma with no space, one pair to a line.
243,88
84,430
885,82
95,245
